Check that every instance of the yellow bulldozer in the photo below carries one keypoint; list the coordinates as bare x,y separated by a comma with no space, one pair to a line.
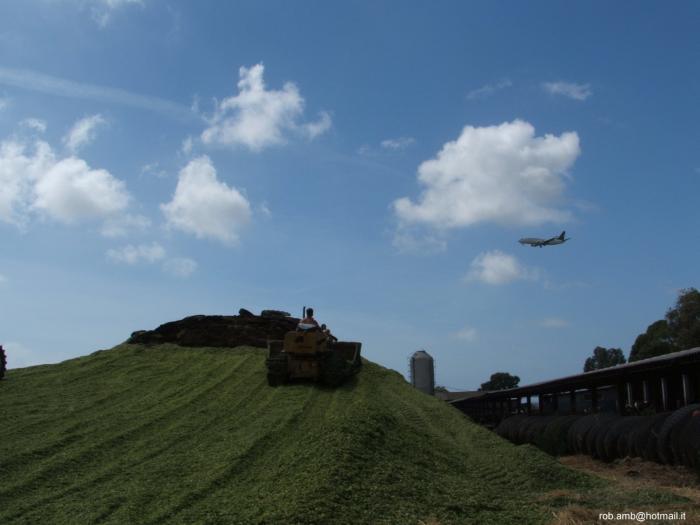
312,354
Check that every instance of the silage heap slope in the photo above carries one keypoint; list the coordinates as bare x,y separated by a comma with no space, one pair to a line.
180,435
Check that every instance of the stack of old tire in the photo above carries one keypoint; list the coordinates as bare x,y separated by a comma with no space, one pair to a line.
672,438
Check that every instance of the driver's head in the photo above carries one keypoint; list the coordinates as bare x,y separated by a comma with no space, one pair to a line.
309,312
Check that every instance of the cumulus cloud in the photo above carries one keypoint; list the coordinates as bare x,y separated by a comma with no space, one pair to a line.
257,117
133,254
83,132
554,322
496,268
187,145
502,174
71,191
398,143
34,123
568,89
67,190
204,206
488,89
180,266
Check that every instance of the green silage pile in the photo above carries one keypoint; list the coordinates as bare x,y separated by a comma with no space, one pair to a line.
180,435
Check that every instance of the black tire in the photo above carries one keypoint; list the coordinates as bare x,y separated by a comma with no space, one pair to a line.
553,438
598,428
602,430
672,424
638,436
690,441
651,447
577,433
534,431
616,440
508,427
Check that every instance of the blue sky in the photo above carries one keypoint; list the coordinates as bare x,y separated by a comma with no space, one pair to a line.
377,160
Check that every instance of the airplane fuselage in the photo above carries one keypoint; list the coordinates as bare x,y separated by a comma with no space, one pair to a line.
537,242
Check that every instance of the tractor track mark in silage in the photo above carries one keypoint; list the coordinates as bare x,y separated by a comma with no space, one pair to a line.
232,470
171,445
106,446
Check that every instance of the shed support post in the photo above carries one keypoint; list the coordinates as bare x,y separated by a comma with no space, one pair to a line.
665,402
529,405
688,394
594,399
630,395
620,398
645,392
540,406
572,401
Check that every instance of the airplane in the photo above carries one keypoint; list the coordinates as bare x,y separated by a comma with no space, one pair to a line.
533,241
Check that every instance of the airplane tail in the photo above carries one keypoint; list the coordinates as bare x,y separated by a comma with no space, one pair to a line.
561,237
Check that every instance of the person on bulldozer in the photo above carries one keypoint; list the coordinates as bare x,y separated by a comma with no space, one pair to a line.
308,322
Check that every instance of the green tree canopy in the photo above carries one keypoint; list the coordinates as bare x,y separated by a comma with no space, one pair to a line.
604,358
500,381
679,330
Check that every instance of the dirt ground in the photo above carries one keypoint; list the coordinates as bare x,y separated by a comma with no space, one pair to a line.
637,475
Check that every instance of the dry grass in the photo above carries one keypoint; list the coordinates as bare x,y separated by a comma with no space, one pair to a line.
626,475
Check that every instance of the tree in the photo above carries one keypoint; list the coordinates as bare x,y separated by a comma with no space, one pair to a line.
500,381
679,330
684,319
440,388
604,358
657,340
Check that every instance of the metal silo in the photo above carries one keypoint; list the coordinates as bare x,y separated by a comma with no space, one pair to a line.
423,372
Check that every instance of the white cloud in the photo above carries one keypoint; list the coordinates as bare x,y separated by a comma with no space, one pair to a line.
34,81
180,266
554,322
4,103
204,206
187,145
154,169
502,174
398,143
67,190
496,268
568,89
123,225
131,254
71,191
3,279
34,123
466,334
488,89
314,129
257,117
83,132
102,9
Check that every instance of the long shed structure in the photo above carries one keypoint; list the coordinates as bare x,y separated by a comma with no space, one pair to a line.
659,383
